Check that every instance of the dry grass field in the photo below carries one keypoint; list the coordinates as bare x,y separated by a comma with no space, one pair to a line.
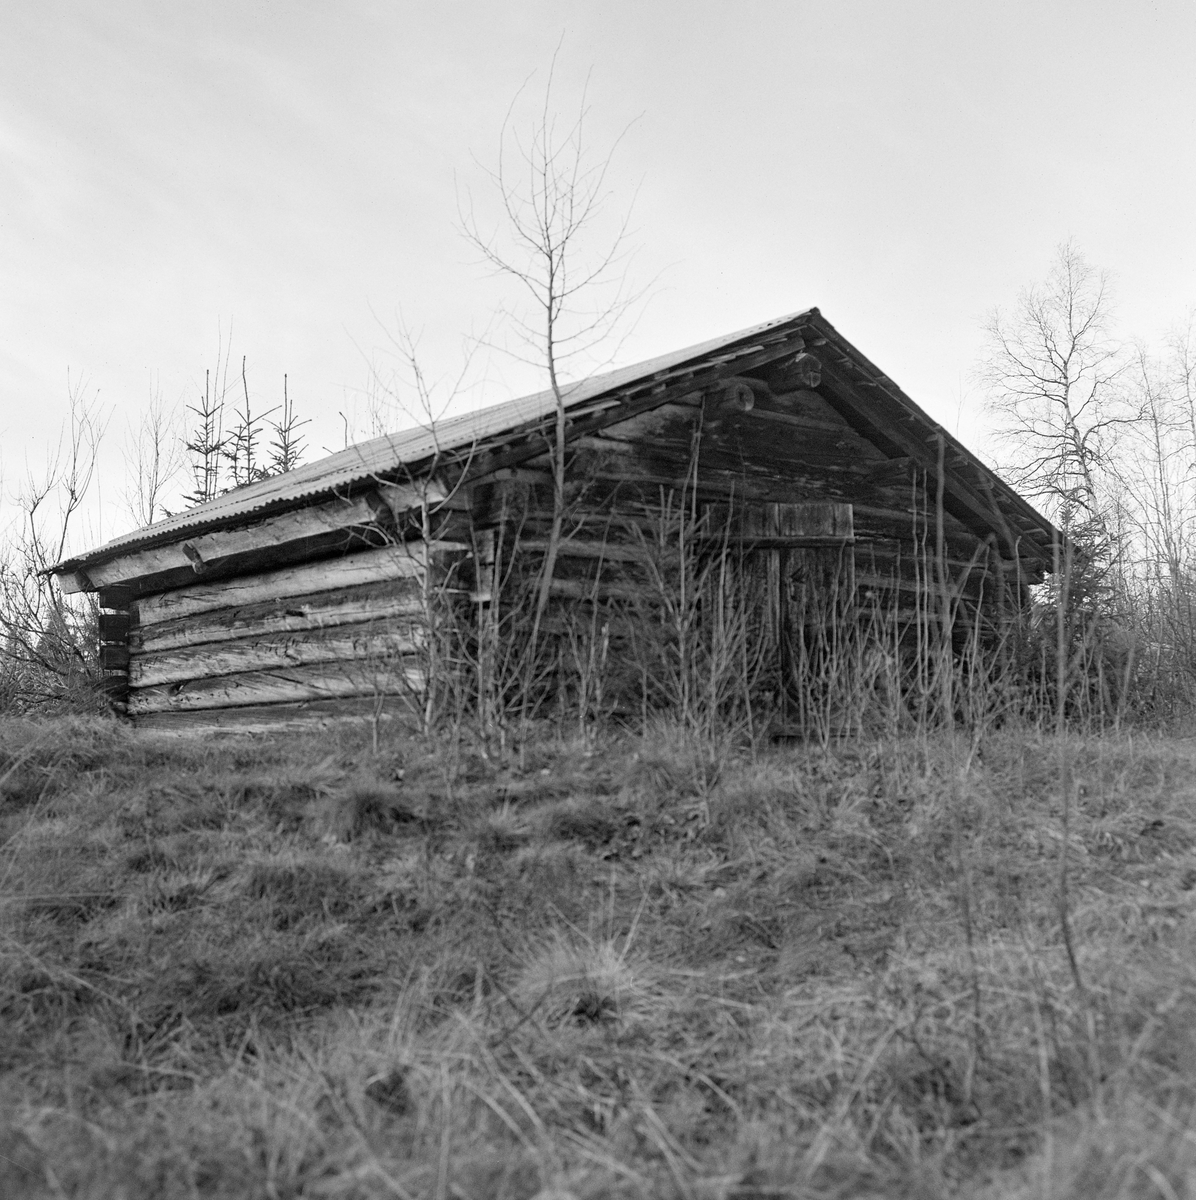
296,967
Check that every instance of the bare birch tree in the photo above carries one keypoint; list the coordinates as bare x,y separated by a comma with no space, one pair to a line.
1053,369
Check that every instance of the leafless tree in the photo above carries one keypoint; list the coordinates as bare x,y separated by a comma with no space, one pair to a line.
399,390
559,239
1053,372
47,640
1150,465
1181,372
155,455
1155,462
404,393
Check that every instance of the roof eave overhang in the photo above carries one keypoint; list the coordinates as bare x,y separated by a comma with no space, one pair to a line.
104,554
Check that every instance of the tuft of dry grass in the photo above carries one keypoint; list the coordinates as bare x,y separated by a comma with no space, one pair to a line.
580,979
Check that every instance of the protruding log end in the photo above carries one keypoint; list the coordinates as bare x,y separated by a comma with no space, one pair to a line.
735,395
804,371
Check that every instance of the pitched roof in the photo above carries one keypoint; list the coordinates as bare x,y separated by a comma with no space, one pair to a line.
406,450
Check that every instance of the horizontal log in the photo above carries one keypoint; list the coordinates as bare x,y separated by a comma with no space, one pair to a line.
383,601
892,471
536,472
907,559
207,551
324,681
726,478
604,551
790,426
586,589
903,517
927,587
72,582
115,685
402,498
305,716
788,462
806,524
669,420
839,482
601,444
113,627
643,531
117,598
405,561
114,657
802,403
344,643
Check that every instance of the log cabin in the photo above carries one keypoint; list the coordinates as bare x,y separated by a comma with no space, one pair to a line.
310,597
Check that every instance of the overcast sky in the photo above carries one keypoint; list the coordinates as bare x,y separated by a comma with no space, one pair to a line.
290,171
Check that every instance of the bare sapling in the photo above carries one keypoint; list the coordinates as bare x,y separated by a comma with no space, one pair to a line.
587,630
945,677
1062,565
155,456
435,494
242,447
556,238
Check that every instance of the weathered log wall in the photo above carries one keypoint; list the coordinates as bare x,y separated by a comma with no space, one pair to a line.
786,469
278,642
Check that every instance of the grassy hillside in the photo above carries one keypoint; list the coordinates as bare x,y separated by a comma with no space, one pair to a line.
296,967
